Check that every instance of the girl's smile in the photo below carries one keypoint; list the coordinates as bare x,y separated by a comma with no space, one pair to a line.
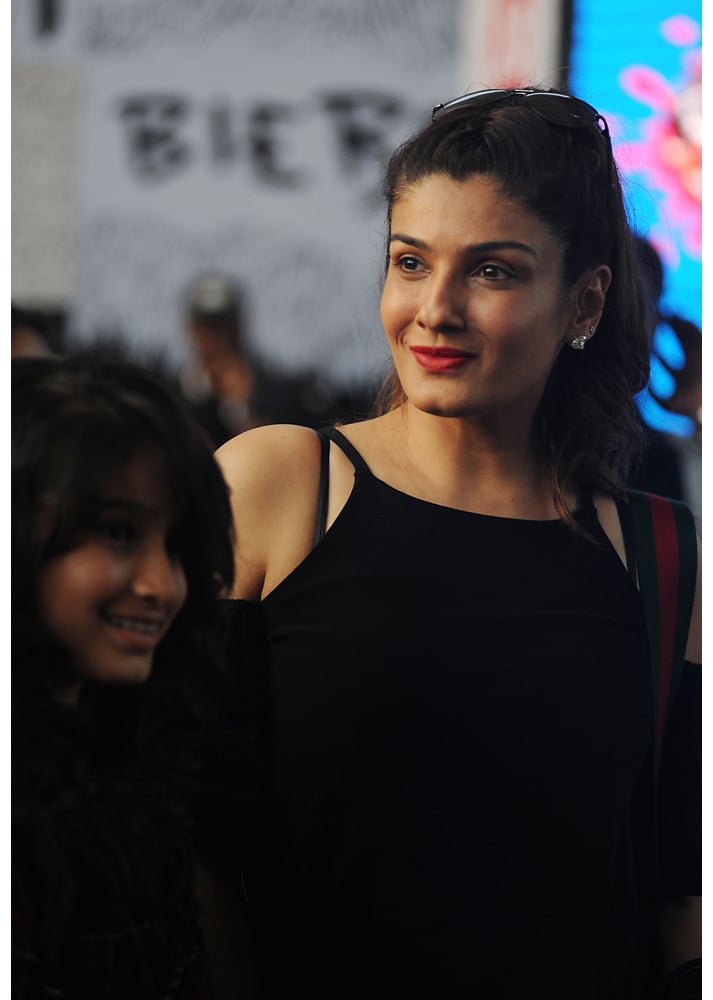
111,599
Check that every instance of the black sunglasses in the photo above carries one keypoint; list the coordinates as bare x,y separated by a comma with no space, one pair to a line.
557,109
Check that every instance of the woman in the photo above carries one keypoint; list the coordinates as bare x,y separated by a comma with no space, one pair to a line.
122,541
460,730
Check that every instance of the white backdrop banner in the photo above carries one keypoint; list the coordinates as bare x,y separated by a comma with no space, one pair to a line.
246,137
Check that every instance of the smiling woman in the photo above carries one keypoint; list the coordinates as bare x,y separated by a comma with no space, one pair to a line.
495,313
461,731
121,541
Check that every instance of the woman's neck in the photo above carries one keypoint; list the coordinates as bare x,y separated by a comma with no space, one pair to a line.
459,463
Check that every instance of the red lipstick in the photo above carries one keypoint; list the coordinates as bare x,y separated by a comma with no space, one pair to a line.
440,359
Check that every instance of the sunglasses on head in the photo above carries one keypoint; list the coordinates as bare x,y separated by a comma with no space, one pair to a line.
557,109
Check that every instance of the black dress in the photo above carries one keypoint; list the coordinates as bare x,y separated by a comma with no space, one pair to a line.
459,791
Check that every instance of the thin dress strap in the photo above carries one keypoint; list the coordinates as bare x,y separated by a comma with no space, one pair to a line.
323,492
347,447
325,435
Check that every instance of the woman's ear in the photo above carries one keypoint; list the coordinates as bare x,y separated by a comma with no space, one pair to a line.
590,297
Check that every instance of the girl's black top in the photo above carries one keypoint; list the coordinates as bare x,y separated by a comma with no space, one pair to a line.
102,872
458,790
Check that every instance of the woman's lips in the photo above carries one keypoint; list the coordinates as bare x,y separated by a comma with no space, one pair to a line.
441,359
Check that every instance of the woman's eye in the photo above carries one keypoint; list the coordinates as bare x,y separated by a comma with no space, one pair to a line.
493,272
117,529
408,263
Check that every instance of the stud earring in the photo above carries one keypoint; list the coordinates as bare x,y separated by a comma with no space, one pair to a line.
579,343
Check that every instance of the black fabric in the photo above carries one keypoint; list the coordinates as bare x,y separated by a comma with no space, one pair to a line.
232,778
680,790
685,982
102,875
625,517
460,772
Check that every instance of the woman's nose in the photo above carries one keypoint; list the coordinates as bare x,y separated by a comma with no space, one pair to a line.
441,307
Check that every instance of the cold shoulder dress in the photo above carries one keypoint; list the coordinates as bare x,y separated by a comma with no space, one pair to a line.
458,784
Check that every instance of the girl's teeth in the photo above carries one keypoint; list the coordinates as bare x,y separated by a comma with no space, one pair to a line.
150,628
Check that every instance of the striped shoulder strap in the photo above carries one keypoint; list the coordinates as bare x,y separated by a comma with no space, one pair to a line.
660,534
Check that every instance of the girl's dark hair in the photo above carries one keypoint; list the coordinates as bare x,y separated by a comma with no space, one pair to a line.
587,420
76,421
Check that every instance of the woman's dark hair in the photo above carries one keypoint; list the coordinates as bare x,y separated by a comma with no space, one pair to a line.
76,421
587,420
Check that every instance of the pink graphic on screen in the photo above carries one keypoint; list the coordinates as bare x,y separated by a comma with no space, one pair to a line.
669,150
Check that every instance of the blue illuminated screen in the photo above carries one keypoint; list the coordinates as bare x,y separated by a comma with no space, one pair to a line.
639,64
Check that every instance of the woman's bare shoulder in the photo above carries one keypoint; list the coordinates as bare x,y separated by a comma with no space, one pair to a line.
272,473
265,452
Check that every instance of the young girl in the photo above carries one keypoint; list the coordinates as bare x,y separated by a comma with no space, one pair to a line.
121,544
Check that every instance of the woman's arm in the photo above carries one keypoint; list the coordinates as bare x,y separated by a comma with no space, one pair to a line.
681,778
273,476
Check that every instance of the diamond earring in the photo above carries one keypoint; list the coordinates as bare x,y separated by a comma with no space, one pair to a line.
579,343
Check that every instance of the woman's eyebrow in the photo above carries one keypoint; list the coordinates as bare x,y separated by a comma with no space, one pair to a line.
492,246
489,246
411,241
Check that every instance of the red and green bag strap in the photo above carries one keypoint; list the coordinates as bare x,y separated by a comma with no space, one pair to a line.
662,551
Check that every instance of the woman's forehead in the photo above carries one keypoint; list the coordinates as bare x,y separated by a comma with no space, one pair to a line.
477,205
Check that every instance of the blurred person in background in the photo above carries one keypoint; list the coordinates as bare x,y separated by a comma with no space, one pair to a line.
36,332
219,383
672,462
229,390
